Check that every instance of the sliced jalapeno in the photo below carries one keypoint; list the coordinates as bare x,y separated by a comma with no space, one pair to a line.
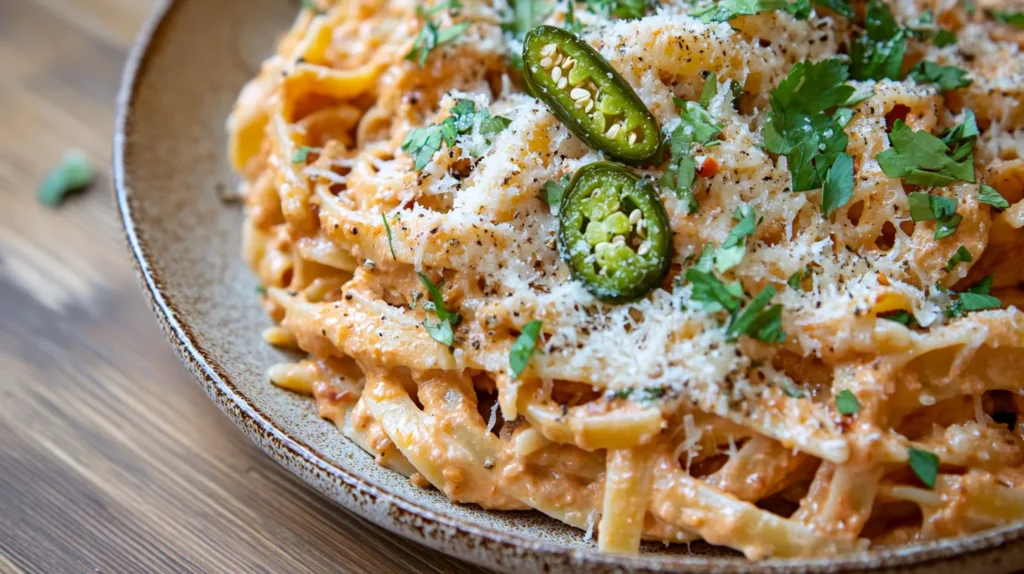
589,96
614,233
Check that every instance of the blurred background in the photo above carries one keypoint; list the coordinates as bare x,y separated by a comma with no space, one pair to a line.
111,457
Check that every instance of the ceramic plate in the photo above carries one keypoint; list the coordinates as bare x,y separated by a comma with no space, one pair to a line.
170,167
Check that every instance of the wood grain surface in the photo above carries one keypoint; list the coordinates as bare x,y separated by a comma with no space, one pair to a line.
111,458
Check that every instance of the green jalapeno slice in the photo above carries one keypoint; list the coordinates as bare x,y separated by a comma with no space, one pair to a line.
589,96
614,233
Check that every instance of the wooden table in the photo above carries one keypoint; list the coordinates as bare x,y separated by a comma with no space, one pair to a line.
111,458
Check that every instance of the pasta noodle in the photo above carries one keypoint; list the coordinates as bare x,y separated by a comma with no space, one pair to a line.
401,166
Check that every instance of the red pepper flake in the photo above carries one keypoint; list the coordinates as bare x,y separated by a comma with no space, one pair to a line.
709,168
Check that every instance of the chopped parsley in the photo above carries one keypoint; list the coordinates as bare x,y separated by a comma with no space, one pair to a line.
624,9
925,466
841,7
942,210
903,317
990,195
554,190
464,118
73,173
523,347
878,53
571,23
926,160
797,278
432,35
757,322
838,187
697,127
812,140
1015,19
962,255
945,77
975,298
310,5
847,403
731,253
301,154
754,320
925,29
387,229
725,10
712,294
442,330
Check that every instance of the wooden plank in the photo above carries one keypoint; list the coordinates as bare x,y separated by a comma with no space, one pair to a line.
112,458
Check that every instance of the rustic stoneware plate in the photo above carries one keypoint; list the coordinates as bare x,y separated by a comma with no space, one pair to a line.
179,85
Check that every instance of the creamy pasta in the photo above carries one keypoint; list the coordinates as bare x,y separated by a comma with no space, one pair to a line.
826,352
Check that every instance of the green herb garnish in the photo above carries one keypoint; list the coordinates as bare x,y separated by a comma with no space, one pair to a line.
725,10
731,253
432,35
463,119
942,210
878,53
988,194
757,322
554,190
926,160
301,154
847,403
1015,19
442,330
73,173
962,255
812,140
945,77
697,127
387,229
925,465
523,347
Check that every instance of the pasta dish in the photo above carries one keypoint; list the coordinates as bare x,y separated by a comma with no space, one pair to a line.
741,271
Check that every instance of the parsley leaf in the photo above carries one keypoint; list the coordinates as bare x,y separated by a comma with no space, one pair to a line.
841,7
962,255
571,24
923,159
757,322
432,35
976,298
942,210
838,188
847,403
438,301
902,317
625,9
925,29
796,279
73,173
522,349
878,53
925,465
697,126
440,331
526,15
301,154
387,228
731,253
423,142
1015,19
553,191
712,294
799,128
982,287
310,5
707,93
988,194
725,10
945,77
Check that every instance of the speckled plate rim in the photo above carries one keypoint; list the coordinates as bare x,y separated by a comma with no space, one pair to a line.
479,544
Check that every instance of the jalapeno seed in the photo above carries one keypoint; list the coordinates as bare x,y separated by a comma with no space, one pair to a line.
614,233
583,90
